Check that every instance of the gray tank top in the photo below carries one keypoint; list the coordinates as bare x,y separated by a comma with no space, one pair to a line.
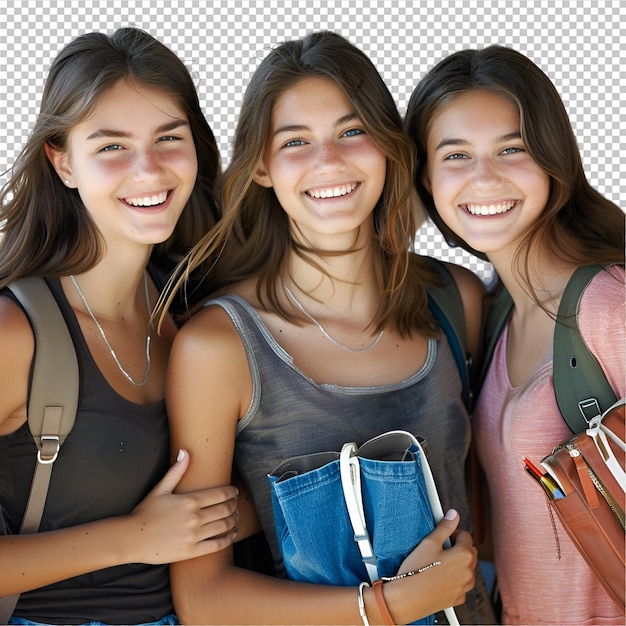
290,415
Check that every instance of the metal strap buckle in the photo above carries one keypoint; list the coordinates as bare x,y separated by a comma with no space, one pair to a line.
49,450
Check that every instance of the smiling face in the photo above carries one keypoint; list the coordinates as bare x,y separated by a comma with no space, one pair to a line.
485,185
326,172
133,162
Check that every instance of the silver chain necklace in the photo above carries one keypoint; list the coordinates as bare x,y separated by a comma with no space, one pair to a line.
106,341
323,330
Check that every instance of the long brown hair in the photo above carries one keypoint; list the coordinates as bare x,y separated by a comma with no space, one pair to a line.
588,228
47,231
253,238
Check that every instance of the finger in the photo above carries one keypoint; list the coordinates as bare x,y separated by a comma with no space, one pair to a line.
215,544
213,496
220,511
226,526
168,483
447,526
463,538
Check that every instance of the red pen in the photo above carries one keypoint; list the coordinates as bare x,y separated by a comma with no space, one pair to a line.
533,468
553,489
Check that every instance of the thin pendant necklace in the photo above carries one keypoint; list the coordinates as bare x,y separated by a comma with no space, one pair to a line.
323,330
106,341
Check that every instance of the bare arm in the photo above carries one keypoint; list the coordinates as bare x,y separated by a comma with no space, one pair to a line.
164,527
209,389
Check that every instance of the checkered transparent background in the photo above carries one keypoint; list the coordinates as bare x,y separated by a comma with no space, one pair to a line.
578,43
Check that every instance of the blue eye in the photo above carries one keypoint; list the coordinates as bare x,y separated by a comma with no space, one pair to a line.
293,142
353,132
513,150
113,147
455,157
169,138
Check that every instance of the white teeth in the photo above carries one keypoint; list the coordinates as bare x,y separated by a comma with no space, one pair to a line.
334,192
158,198
490,209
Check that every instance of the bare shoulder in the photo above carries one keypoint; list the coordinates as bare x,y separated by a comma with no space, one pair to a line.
209,365
16,340
472,292
209,324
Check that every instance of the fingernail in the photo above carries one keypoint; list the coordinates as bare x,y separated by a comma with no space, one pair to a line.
181,455
451,514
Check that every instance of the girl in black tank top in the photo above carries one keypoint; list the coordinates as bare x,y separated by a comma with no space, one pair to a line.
121,160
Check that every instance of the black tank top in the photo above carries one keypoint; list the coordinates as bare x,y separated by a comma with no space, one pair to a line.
115,454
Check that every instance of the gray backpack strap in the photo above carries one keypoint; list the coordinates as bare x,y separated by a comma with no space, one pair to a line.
581,388
52,400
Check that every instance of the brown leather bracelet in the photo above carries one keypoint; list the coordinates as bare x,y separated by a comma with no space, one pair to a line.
380,601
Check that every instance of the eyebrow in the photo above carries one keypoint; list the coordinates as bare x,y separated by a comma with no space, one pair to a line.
462,142
296,128
164,128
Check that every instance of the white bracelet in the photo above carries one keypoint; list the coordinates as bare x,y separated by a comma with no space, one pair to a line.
362,612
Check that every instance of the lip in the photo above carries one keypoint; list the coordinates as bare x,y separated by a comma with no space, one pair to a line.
332,191
495,208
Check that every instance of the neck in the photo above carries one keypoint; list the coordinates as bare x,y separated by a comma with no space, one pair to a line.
114,295
347,286
547,280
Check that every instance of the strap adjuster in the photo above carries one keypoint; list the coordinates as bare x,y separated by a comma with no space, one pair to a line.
589,408
50,446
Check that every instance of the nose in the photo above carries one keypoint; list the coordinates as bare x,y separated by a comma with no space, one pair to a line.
486,174
147,165
329,157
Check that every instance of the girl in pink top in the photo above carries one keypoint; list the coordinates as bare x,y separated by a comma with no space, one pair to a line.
500,173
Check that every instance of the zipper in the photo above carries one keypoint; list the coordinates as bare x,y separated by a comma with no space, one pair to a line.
619,515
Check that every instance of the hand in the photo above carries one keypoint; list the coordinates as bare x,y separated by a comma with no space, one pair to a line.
446,584
166,527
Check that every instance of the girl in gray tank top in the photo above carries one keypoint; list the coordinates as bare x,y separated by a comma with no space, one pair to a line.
319,333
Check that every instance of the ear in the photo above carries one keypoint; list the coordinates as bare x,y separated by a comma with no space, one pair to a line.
261,176
61,163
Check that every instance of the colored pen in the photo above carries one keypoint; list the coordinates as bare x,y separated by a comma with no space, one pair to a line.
546,480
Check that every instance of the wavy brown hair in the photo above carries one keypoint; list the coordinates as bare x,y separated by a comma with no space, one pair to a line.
588,228
253,238
45,228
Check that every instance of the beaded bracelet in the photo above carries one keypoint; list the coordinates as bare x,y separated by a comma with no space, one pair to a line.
387,579
361,601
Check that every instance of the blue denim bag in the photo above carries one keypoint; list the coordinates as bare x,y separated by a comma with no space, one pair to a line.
400,506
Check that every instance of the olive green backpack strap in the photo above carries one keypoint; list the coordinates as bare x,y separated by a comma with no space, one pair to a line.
581,388
52,398
444,302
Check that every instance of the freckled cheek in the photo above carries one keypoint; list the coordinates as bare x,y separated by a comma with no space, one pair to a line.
288,171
